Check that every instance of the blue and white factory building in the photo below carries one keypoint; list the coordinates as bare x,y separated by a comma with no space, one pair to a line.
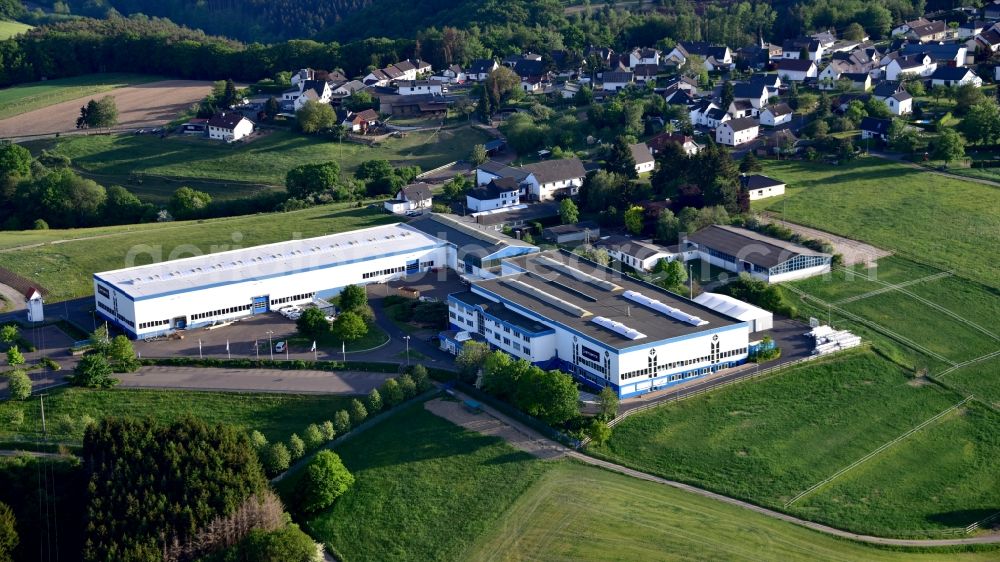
559,311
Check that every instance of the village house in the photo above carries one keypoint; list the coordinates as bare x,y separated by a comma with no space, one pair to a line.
361,121
658,143
229,126
761,187
480,69
618,80
499,193
777,114
955,76
874,128
737,131
796,70
914,65
413,197
643,157
417,87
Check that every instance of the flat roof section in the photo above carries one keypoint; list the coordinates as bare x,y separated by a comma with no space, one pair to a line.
749,246
468,239
557,277
270,260
498,310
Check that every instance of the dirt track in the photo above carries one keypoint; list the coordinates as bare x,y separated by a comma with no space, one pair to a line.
145,105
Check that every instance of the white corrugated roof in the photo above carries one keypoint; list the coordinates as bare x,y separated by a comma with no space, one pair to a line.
269,260
730,306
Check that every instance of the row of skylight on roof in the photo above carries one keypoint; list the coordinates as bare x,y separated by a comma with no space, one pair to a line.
260,259
658,306
541,295
566,288
618,327
577,274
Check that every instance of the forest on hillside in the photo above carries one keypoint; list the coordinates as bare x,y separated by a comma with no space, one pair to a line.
730,21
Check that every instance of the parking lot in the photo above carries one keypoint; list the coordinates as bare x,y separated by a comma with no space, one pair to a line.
247,338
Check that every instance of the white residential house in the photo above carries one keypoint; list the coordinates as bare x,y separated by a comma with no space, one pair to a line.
659,143
35,304
413,197
900,103
777,114
757,94
361,121
420,87
699,112
480,69
793,49
639,255
499,193
643,156
796,70
617,80
716,117
302,75
737,131
553,179
455,74
229,126
761,187
955,76
643,57
918,65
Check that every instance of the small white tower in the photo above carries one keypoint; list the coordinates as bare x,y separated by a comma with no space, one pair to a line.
36,305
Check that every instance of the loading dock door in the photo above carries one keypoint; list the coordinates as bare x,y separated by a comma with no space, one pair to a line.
260,304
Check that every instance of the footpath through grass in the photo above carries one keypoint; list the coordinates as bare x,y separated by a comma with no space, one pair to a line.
36,95
263,160
949,222
767,440
577,512
66,268
277,416
425,490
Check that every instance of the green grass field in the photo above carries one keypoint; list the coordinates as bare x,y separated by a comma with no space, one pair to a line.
961,336
948,222
277,416
904,486
66,268
9,29
264,160
425,490
981,379
36,95
576,512
767,440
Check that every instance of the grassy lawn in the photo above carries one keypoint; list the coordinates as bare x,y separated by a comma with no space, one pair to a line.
9,29
425,490
577,512
264,160
904,487
66,267
948,222
277,416
36,95
768,440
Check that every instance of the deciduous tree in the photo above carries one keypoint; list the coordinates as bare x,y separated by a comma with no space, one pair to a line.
325,479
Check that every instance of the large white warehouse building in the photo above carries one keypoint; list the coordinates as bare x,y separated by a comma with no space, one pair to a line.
559,311
154,299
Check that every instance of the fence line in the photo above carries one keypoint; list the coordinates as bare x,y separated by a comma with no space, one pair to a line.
888,287
884,446
865,322
934,305
967,363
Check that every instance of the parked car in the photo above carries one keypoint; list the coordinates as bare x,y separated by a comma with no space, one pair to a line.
279,347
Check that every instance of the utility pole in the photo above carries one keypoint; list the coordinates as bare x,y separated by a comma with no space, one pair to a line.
690,283
41,399
407,338
270,344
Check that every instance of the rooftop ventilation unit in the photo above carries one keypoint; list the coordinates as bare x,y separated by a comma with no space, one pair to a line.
658,306
618,328
577,274
541,295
